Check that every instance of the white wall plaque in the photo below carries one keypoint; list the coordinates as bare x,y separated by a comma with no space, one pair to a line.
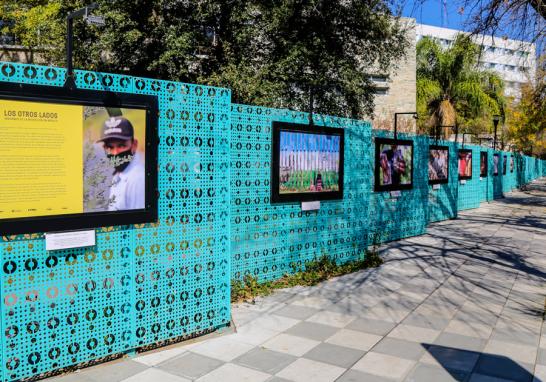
463,181
481,178
73,239
310,206
435,186
396,194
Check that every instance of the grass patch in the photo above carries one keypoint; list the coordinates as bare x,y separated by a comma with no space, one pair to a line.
310,274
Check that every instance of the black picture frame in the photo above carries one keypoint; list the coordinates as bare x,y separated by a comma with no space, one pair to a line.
443,148
391,187
504,164
483,160
512,164
276,196
497,156
464,151
67,96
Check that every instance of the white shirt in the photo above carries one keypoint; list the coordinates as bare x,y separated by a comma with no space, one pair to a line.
128,187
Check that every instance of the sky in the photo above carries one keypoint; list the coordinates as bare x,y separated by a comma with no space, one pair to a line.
443,13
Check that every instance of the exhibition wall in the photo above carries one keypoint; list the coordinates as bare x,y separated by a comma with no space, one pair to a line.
146,285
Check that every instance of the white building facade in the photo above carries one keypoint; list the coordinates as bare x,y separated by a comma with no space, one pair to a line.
513,60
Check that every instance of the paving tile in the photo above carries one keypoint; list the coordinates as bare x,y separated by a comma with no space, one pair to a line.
469,329
431,373
335,355
274,322
426,321
540,373
312,330
223,348
367,325
305,370
453,359
296,311
313,302
265,360
400,348
541,357
115,371
156,357
76,376
234,373
253,335
335,319
384,365
289,344
476,377
354,339
518,353
277,379
516,336
503,367
153,374
359,376
190,365
457,341
414,333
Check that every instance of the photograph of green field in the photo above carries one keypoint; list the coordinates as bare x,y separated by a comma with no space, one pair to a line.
308,162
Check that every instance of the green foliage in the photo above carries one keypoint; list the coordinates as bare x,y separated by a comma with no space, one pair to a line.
310,274
271,53
451,89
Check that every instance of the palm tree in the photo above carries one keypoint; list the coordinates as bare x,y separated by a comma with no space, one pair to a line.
451,89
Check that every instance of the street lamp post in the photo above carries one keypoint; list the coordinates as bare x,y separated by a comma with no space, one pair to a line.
496,119
396,120
89,19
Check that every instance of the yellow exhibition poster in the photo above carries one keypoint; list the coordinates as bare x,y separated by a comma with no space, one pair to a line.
41,159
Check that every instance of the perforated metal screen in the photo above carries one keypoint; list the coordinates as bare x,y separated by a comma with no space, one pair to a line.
146,284
139,285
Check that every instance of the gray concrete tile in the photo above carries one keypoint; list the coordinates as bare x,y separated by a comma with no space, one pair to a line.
114,371
369,325
426,321
265,360
457,341
454,359
296,311
515,336
190,365
541,356
503,367
400,348
312,330
432,373
335,355
359,376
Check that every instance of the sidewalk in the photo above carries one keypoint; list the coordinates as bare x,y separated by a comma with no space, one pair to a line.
464,302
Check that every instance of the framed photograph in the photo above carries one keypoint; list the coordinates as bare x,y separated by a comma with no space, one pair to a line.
438,164
483,164
307,163
504,164
511,163
89,159
496,164
393,164
465,164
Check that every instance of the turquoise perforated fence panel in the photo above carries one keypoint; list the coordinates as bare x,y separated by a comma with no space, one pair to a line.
396,217
140,285
269,240
442,199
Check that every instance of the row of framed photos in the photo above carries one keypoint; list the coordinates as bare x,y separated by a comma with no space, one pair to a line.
307,163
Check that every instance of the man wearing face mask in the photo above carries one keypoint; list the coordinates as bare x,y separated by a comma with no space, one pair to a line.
120,146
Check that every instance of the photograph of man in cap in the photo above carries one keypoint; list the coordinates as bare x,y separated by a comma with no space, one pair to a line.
127,191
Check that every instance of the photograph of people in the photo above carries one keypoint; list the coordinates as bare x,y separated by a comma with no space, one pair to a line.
504,164
114,157
120,146
511,163
438,164
495,164
465,164
395,164
483,164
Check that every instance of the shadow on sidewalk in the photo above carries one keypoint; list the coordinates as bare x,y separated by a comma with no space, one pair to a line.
461,364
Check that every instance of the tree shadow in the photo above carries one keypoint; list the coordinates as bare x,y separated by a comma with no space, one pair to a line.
461,364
